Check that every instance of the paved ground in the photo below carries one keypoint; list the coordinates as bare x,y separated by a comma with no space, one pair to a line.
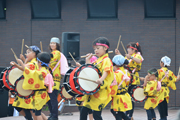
139,114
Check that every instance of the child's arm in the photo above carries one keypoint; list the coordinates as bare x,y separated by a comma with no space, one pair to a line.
178,78
78,64
16,65
100,81
145,80
21,63
142,78
135,59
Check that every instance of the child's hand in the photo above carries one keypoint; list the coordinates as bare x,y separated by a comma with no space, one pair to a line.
22,57
19,61
88,57
128,56
178,78
117,52
78,64
12,63
99,81
141,78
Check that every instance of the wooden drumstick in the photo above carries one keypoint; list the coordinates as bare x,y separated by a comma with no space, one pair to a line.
14,54
72,57
60,102
118,42
95,54
86,79
41,46
22,46
26,46
134,75
179,70
123,47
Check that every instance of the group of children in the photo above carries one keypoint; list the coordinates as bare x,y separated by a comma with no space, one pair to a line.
37,70
120,76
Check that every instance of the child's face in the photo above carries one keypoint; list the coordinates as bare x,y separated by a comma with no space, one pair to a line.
100,50
130,51
151,76
53,45
161,64
30,55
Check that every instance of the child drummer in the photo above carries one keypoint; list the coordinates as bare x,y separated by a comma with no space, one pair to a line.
99,100
121,100
150,90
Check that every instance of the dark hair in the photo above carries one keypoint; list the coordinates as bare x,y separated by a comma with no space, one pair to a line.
58,47
153,71
135,45
44,57
102,40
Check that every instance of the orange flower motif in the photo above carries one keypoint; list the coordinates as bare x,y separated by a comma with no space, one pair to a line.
151,88
43,74
160,101
27,71
152,100
112,92
37,86
79,98
115,109
125,105
31,67
31,81
121,100
27,101
96,95
43,95
56,75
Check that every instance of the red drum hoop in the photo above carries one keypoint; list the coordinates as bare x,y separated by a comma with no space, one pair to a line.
64,94
88,71
6,82
20,91
137,94
67,84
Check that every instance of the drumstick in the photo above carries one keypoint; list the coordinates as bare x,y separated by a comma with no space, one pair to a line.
87,79
118,42
22,46
60,102
134,75
123,47
72,57
179,70
95,54
14,54
26,46
41,46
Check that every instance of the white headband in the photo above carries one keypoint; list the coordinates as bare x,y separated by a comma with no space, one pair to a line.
55,39
166,60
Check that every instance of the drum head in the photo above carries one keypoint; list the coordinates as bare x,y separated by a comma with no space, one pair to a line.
65,95
14,74
20,90
90,74
138,94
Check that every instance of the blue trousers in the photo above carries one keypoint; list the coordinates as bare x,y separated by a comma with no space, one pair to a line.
53,104
151,114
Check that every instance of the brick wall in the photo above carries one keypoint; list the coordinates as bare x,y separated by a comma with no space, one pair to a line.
156,37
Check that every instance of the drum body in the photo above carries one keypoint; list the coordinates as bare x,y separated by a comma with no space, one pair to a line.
137,94
20,91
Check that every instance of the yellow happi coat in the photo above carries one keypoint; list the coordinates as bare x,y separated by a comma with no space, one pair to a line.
99,100
150,90
135,66
167,82
26,103
34,80
121,100
56,72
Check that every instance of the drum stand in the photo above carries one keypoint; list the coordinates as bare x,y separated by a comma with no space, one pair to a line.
61,109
